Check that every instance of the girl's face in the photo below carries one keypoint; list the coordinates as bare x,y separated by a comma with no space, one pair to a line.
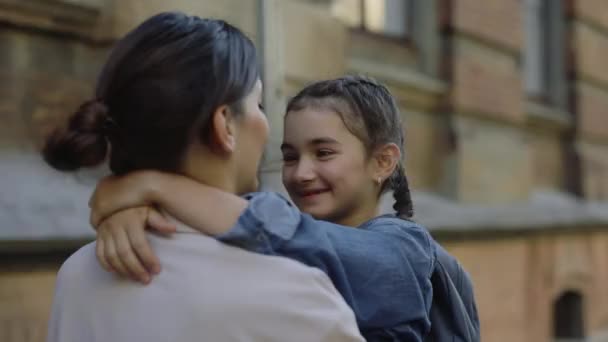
326,169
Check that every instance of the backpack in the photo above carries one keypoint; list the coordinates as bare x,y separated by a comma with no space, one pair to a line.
453,312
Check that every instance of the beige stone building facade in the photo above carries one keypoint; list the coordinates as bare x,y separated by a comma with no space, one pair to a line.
506,111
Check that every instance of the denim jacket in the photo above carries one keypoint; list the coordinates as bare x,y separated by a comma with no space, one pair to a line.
453,312
383,270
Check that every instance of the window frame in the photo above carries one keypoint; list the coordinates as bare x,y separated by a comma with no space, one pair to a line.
424,39
363,27
409,7
545,53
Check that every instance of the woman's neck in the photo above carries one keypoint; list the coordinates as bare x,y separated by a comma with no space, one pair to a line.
204,166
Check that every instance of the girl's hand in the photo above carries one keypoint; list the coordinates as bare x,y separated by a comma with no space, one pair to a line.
122,246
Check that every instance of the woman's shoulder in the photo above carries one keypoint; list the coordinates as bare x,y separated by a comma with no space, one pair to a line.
79,267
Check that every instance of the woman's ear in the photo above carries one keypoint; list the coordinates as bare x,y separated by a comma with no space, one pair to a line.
223,130
385,160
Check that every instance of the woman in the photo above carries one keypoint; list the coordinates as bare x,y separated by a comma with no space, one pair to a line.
157,81
216,137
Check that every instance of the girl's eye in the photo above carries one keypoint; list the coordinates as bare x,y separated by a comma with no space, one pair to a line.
261,106
289,157
324,154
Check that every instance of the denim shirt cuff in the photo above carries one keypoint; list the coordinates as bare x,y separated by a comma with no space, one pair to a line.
269,220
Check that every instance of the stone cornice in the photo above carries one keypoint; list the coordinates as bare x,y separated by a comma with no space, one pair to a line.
547,118
414,89
399,75
54,16
545,212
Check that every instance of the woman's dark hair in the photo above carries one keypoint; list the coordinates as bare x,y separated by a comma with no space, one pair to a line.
156,93
368,111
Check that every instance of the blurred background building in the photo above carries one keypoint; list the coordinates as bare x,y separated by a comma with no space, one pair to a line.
506,111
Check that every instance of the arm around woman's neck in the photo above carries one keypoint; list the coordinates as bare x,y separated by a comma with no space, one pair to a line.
207,209
210,210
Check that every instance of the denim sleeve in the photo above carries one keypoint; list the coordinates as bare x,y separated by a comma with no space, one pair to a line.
383,272
464,286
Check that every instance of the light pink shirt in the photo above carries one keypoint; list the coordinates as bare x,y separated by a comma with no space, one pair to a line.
207,291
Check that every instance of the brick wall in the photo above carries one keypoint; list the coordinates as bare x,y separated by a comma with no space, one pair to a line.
128,13
486,82
44,78
496,268
592,111
486,43
591,48
590,43
592,10
486,98
547,159
499,22
517,281
25,299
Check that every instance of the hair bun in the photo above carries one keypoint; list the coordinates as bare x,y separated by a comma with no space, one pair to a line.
83,143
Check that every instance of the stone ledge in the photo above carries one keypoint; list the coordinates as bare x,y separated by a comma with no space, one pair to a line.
45,210
55,16
541,115
486,44
39,203
49,248
399,76
546,210
591,23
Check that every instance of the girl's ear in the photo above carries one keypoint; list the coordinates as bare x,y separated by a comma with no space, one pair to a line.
385,160
223,130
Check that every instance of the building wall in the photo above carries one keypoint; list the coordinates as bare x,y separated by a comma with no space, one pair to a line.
518,279
26,293
506,150
590,40
472,135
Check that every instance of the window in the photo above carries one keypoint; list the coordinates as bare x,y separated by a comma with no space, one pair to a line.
568,323
544,55
87,3
388,17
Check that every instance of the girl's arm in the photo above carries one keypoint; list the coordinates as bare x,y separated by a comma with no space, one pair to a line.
382,272
195,204
123,207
